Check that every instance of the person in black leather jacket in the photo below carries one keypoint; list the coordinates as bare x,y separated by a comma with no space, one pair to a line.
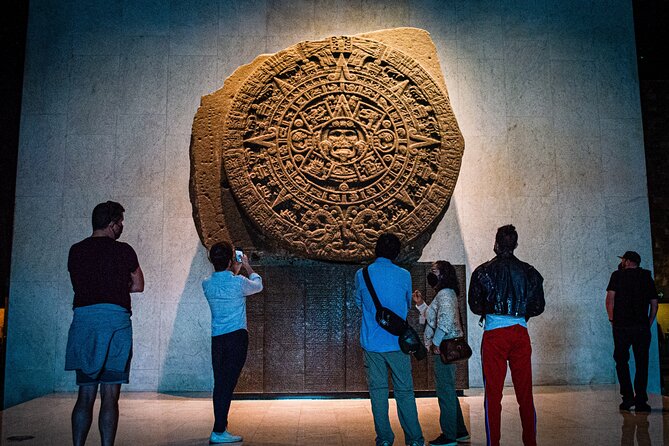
507,292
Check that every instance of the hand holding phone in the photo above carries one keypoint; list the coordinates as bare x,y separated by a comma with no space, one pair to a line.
238,255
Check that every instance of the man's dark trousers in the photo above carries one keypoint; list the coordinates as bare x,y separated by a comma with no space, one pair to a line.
639,339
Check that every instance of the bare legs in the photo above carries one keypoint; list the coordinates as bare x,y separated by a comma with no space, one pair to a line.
82,414
108,420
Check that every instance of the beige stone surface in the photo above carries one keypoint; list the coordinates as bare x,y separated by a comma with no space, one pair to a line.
205,153
327,144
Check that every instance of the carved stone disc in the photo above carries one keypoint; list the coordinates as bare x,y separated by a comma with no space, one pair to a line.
330,143
327,144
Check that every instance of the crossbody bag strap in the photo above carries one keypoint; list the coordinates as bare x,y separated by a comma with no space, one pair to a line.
370,288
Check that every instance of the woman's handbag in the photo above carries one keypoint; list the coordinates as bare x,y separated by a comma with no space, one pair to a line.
454,350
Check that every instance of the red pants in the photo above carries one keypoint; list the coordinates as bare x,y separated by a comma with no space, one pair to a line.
510,344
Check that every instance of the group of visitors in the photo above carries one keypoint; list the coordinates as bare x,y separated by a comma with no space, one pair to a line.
504,291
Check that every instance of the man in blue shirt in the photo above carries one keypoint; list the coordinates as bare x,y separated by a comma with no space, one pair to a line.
381,349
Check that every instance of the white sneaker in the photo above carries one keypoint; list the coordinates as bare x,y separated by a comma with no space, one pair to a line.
224,437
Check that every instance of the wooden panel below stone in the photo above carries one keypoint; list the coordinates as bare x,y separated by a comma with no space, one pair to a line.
304,331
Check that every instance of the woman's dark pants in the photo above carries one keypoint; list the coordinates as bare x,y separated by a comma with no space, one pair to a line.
228,355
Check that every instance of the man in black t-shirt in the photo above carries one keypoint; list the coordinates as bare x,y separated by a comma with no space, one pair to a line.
103,272
631,303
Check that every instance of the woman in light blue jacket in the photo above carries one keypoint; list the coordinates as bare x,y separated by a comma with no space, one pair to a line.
226,291
443,322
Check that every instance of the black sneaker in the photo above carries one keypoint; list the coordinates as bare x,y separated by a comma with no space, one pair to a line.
642,407
443,440
626,406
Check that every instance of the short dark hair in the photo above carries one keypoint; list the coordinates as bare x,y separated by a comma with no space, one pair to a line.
220,255
448,277
105,213
388,245
506,239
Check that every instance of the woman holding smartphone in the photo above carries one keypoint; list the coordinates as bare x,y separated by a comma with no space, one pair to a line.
443,322
226,292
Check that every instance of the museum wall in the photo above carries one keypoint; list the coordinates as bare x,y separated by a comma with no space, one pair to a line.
545,92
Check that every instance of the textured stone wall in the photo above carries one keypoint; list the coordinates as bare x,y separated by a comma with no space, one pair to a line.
545,93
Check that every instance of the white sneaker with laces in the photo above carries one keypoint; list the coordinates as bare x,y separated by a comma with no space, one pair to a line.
224,437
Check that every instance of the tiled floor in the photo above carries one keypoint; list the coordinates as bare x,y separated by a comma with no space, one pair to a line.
566,416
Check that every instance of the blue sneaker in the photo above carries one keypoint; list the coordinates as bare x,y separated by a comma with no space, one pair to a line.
224,437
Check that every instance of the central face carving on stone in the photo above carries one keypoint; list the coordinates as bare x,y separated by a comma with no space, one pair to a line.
329,143
337,150
342,140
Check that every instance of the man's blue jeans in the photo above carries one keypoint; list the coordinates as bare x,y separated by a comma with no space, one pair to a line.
377,366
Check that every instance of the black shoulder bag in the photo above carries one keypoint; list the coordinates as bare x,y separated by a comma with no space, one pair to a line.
386,318
409,340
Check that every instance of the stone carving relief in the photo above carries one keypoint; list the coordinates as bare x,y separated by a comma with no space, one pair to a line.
329,143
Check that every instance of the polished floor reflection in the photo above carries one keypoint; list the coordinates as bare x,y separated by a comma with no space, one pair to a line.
569,415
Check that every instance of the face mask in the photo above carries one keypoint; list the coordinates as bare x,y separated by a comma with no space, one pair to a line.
432,279
117,229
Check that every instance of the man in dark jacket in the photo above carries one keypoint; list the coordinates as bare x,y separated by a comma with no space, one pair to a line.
631,302
506,293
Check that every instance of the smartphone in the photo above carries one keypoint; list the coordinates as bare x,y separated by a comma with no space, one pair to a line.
238,255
